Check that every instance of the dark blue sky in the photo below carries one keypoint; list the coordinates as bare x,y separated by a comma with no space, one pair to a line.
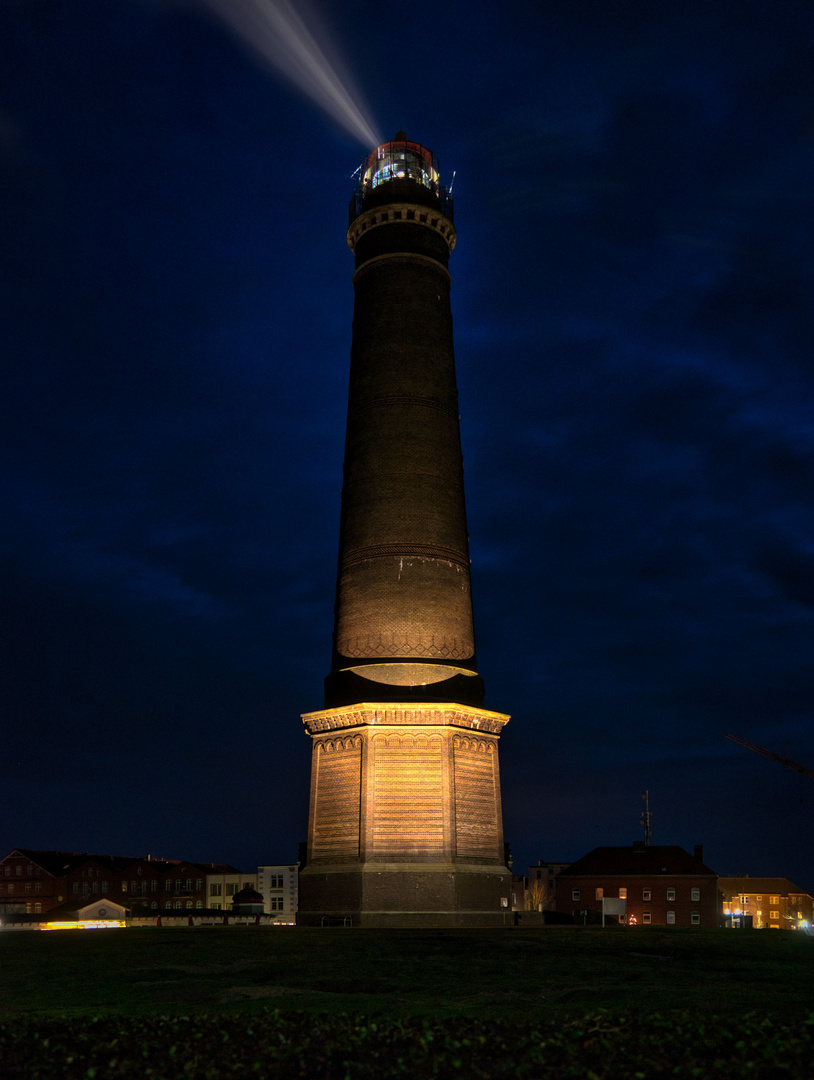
632,294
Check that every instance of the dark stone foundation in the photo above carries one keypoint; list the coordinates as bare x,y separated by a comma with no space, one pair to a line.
405,895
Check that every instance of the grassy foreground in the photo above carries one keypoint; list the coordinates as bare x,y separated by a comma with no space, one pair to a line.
639,1003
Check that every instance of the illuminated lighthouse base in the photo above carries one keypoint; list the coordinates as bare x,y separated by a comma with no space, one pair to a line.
405,821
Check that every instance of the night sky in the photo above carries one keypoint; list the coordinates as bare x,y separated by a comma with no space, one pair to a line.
633,295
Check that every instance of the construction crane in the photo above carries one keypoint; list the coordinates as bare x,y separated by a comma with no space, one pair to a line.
772,756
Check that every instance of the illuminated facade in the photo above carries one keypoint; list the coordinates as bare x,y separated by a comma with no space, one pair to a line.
765,903
405,823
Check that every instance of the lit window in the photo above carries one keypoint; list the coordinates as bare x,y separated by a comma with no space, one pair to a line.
774,914
671,894
28,909
215,890
695,894
599,894
575,894
645,916
37,908
623,894
645,894
189,903
671,918
695,918
124,886
199,904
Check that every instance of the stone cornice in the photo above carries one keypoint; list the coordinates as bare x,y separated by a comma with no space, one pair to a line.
429,714
411,213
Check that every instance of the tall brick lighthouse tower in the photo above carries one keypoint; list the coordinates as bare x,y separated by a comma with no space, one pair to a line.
405,825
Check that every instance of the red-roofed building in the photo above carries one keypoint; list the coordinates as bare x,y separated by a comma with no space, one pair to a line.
660,885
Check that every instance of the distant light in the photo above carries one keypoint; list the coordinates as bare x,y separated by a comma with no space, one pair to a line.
85,924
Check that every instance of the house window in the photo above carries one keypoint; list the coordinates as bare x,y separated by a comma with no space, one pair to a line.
124,886
276,903
575,894
74,887
774,914
189,903
216,907
695,918
231,889
671,894
95,886
600,893
215,890
37,886
18,870
623,894
198,884
154,885
104,886
671,918
695,894
646,917
37,908
276,882
154,904
28,888
199,904
11,887
138,871
188,884
774,899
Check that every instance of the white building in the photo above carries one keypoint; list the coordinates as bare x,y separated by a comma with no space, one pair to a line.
279,886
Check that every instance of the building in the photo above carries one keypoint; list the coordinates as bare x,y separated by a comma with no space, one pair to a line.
660,886
36,882
279,887
769,902
405,823
541,880
223,884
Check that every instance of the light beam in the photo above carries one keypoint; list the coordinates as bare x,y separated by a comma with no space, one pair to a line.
279,35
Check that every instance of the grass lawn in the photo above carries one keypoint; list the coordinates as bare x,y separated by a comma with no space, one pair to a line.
342,1004
517,974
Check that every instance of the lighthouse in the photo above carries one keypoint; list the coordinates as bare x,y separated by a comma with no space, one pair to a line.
405,823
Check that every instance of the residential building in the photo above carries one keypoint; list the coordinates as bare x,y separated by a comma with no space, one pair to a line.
542,893
765,902
660,885
223,883
279,888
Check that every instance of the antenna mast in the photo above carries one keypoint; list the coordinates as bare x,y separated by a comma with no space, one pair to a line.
645,818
